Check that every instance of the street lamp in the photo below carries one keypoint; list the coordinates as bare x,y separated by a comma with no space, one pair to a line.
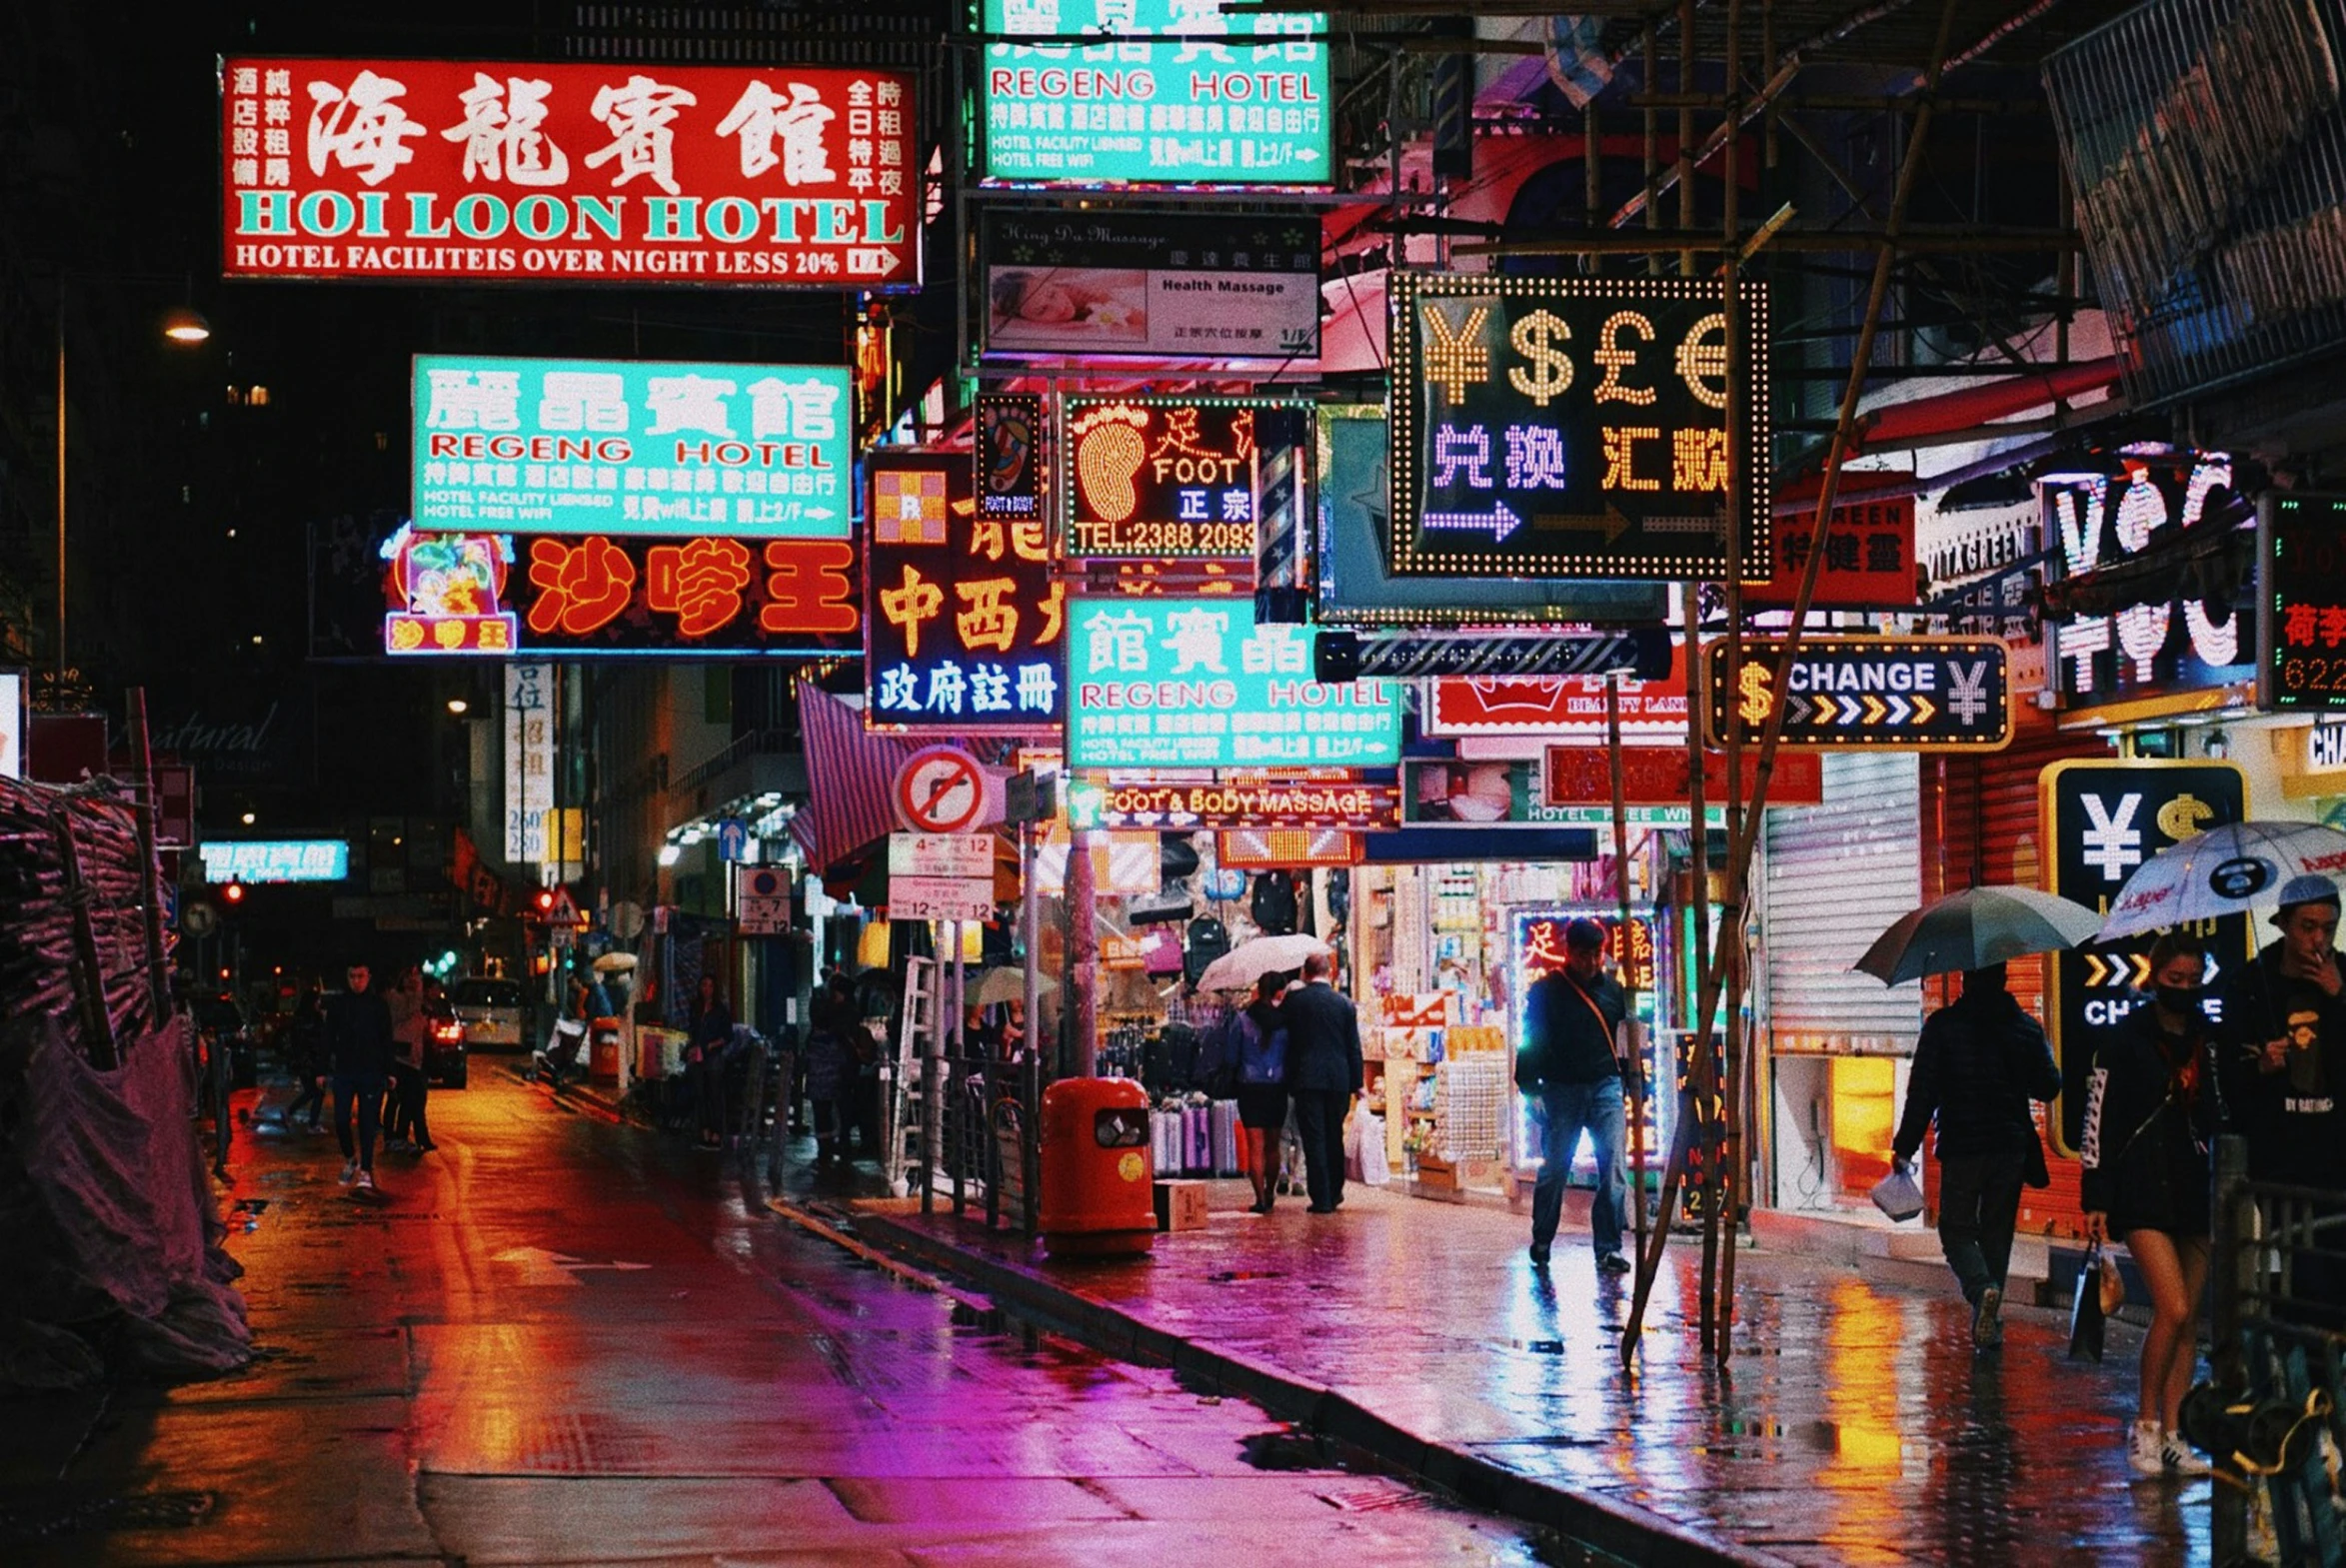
458,706
181,324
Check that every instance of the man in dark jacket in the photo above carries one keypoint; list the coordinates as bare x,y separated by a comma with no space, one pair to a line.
1979,1062
2284,1070
1323,1074
1569,1068
358,1047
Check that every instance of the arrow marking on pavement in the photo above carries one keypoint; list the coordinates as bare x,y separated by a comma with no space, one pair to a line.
543,1266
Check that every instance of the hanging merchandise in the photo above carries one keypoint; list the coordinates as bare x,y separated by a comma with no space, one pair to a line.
1339,894
1273,904
1209,941
1307,919
1160,950
1172,903
1178,858
1225,885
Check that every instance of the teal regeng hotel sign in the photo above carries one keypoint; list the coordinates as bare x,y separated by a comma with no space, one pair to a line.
1194,683
1176,93
631,447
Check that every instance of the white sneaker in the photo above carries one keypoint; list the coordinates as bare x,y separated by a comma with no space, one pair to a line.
2180,1457
367,1185
349,1168
2146,1449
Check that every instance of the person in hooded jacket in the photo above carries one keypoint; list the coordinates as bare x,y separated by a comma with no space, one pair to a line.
2152,1107
1979,1063
2285,1074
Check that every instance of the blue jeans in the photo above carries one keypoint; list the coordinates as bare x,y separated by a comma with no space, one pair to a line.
1563,1111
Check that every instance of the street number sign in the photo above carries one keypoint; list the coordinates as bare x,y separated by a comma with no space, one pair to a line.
940,899
941,854
1939,693
939,789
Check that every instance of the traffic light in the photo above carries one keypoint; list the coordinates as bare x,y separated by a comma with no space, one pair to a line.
233,893
545,902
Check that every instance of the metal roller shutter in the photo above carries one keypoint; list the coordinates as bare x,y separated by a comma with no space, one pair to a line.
1837,877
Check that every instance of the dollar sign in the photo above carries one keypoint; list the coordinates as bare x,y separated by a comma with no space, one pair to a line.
1539,338
2181,817
1755,704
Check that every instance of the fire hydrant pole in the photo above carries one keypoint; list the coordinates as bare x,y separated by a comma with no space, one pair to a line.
1083,954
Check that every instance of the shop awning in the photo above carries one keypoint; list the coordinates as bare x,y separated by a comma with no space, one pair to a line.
1972,407
850,775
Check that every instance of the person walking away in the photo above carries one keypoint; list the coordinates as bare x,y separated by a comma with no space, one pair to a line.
1571,1069
1979,1063
2152,1106
711,1031
357,1046
1255,1045
411,1029
831,1067
2285,1015
306,1042
1322,1076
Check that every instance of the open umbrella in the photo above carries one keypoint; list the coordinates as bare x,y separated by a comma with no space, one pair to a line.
2225,871
1249,960
1002,983
615,960
1974,928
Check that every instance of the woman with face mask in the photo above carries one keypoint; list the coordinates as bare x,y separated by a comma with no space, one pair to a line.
2151,1113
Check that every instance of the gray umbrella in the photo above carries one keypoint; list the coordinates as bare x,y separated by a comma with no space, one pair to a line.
1976,927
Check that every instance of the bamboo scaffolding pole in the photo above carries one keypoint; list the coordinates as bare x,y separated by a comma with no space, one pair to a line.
1739,847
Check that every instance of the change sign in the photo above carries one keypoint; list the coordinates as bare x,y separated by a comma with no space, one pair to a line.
1946,694
1194,683
1564,427
631,447
2100,820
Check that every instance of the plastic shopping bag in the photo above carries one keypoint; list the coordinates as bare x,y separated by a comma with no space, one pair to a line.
1374,1171
1898,1194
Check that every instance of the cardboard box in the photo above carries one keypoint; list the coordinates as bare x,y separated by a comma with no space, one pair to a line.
1181,1205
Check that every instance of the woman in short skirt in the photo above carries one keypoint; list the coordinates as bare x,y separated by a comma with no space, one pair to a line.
2151,1110
1258,1049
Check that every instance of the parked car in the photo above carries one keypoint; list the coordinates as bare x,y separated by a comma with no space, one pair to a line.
491,1013
222,1019
445,1056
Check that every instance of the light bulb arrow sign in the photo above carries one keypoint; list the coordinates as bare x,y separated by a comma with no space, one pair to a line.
1948,694
1498,522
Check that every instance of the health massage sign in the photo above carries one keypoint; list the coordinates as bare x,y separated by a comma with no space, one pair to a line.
1562,427
772,176
965,622
1175,93
1194,683
631,447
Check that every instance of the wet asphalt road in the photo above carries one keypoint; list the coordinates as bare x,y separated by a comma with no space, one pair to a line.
559,1341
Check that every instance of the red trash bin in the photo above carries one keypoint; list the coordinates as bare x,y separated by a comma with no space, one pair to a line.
1097,1198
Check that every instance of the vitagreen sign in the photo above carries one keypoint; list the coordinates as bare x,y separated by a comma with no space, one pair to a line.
1161,100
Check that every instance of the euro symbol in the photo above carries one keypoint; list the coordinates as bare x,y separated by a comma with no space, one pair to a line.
2181,817
1538,337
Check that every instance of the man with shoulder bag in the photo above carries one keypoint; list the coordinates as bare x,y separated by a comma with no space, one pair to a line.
1570,1070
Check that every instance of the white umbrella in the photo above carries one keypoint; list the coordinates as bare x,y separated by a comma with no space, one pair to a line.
1249,960
615,960
2225,871
1002,983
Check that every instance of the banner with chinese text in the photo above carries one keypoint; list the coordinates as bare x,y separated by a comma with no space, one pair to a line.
965,624
769,176
1567,426
1174,683
630,447
507,595
1187,109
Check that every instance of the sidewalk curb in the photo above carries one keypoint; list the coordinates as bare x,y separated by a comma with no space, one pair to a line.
1623,1530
